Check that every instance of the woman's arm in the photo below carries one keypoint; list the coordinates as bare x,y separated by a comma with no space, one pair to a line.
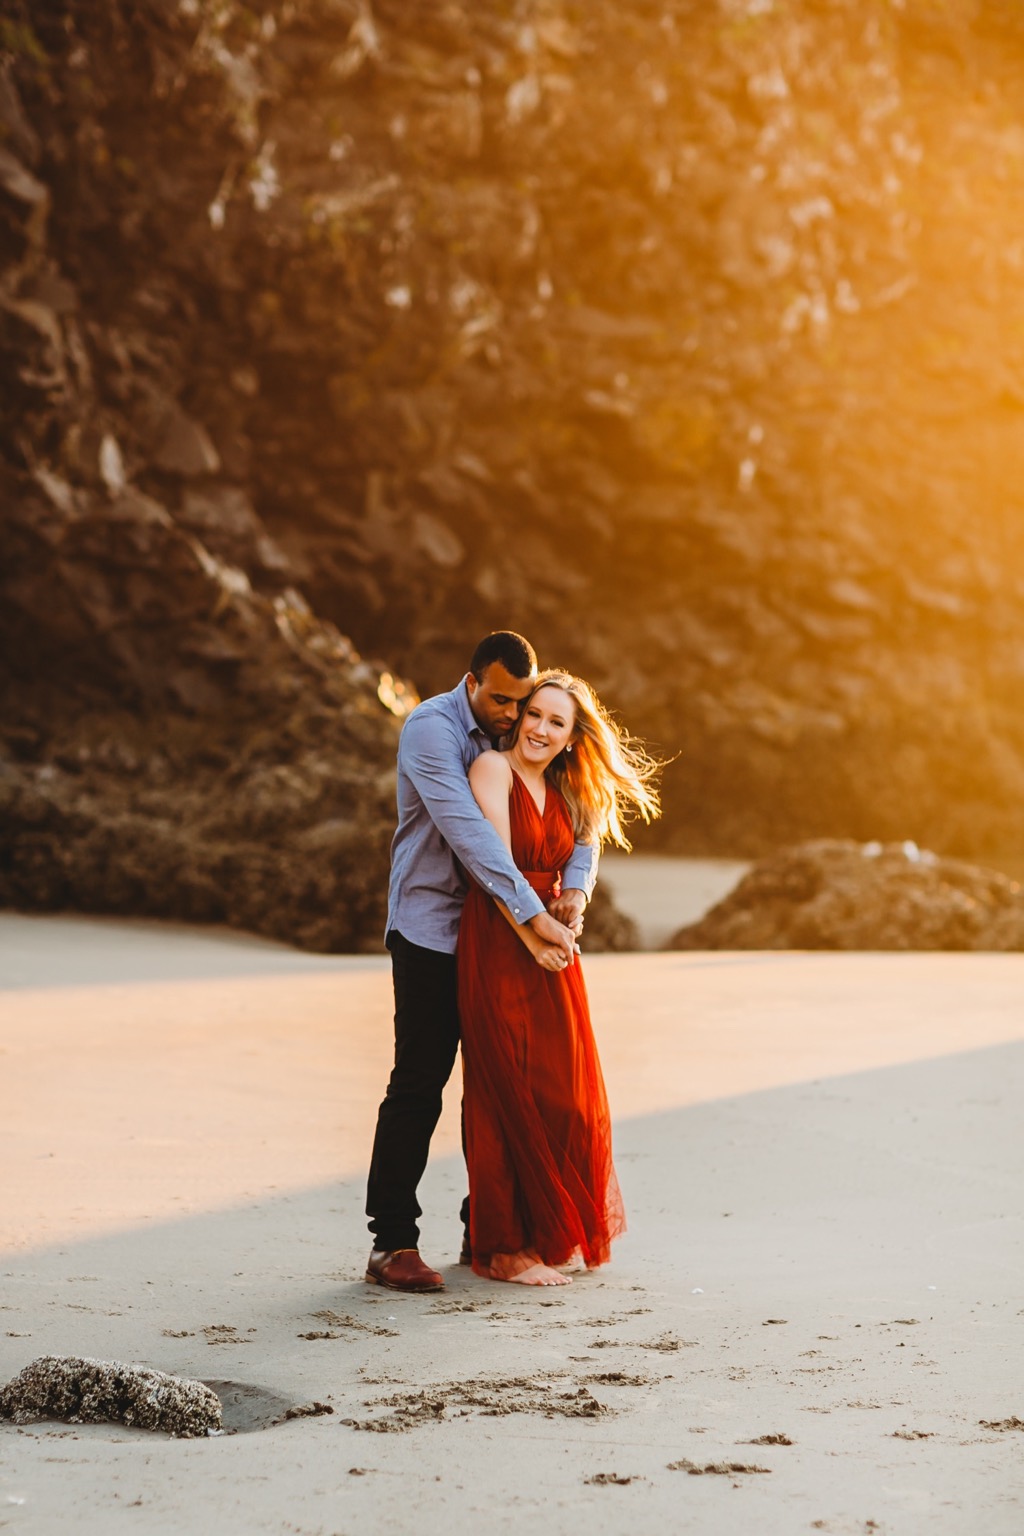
490,779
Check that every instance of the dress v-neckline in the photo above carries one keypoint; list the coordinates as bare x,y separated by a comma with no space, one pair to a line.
540,809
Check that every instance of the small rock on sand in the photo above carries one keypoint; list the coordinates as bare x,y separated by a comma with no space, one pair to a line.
86,1391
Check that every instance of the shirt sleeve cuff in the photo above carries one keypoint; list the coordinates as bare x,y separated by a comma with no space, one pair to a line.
580,874
526,906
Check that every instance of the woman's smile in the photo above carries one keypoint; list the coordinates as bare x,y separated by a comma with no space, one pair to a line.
546,725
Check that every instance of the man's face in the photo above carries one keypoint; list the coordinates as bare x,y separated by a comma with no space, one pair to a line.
496,699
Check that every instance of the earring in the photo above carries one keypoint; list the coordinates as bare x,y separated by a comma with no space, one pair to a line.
569,747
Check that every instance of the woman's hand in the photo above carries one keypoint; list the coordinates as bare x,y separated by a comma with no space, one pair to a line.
552,958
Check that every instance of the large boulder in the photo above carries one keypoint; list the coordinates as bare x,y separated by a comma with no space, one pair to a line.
178,744
846,895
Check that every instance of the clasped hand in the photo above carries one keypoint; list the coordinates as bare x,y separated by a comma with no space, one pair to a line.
569,908
552,958
566,909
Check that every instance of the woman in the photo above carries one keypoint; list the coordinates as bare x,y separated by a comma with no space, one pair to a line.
543,1190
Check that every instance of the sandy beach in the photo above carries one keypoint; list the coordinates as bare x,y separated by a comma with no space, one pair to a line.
821,1161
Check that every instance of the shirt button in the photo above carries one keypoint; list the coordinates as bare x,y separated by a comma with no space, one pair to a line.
516,911
490,885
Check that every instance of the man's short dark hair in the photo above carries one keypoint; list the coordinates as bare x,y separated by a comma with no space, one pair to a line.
515,654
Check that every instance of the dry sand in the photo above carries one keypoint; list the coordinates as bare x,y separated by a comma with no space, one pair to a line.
821,1159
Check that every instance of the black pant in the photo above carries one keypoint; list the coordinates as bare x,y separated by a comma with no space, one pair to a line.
426,1041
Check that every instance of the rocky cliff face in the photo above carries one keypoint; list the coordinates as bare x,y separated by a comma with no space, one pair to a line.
684,337
182,735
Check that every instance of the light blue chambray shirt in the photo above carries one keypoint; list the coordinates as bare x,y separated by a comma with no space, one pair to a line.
440,827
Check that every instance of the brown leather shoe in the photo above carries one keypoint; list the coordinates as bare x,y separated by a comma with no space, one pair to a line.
402,1270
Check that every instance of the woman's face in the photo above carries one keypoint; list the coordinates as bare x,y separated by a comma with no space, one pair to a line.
546,725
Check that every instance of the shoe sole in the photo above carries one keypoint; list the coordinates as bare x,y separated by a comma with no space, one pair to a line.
410,1290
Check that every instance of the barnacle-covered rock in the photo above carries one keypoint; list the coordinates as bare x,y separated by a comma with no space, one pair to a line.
86,1391
834,894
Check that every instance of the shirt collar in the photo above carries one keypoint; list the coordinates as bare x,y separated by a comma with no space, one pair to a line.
466,714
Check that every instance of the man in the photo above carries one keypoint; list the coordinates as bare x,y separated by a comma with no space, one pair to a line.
440,828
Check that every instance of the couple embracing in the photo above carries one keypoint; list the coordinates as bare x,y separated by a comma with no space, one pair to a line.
507,788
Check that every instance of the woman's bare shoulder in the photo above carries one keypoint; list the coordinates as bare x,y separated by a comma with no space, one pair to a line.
491,768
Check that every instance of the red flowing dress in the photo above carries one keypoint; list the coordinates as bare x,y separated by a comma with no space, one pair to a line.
536,1121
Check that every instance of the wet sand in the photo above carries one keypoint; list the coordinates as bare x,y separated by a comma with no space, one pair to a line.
820,1156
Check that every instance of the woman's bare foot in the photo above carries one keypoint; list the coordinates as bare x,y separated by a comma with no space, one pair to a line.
541,1274
535,1274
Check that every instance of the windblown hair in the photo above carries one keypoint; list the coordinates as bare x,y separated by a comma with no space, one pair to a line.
608,777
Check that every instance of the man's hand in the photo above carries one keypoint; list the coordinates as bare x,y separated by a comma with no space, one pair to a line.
569,909
553,932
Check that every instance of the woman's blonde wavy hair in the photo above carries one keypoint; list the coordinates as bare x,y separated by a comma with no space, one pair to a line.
608,776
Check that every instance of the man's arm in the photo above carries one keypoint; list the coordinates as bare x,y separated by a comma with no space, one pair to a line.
431,754
578,880
580,874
